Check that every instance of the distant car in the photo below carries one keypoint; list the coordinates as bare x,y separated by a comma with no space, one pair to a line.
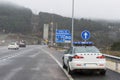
13,45
84,58
22,44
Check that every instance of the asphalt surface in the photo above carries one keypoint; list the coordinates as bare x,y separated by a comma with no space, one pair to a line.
29,63
34,63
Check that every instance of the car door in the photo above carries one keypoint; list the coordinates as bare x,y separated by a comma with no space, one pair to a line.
67,55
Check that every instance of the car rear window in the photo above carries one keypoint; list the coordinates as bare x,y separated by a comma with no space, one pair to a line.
86,49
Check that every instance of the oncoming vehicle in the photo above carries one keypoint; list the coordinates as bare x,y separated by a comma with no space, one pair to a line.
13,45
85,57
22,44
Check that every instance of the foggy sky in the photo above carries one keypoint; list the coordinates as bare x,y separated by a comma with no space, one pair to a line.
100,9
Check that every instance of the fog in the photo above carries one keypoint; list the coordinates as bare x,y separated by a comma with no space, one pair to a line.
100,9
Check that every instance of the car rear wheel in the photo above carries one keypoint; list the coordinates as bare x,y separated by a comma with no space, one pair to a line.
69,71
64,66
103,72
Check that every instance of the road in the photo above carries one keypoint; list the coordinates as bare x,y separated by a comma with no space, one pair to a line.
29,63
40,63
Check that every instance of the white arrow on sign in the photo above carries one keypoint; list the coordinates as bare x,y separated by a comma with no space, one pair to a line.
85,35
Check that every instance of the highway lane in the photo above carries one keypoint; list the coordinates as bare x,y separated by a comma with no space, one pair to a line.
5,52
30,63
110,75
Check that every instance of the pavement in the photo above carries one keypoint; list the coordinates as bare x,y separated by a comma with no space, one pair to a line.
36,62
30,63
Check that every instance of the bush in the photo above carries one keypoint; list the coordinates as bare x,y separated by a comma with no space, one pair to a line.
115,46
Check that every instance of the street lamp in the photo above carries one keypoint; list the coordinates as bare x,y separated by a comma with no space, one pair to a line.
72,22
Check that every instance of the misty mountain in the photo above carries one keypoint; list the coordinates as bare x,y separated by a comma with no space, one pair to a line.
15,19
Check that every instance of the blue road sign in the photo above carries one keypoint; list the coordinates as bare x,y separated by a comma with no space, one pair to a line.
62,32
85,35
68,38
60,38
63,36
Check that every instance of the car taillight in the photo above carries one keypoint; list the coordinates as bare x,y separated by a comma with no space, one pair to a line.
78,57
101,57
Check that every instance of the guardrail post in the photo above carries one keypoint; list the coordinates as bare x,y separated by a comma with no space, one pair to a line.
114,59
116,64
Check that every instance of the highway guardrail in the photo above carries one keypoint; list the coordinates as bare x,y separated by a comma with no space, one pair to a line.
114,59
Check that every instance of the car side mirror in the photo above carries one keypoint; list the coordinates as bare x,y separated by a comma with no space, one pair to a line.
70,58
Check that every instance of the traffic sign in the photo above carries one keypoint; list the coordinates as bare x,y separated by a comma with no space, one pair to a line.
63,36
68,38
60,38
85,35
62,32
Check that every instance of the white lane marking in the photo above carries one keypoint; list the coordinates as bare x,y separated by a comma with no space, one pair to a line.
35,68
34,55
69,76
12,56
12,73
2,63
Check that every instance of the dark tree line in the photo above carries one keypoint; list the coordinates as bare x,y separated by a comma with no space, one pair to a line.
115,46
15,19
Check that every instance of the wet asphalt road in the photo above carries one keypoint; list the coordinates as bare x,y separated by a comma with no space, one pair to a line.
32,63
28,63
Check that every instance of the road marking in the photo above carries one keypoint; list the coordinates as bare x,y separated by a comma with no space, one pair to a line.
34,55
2,63
12,56
69,76
12,73
35,68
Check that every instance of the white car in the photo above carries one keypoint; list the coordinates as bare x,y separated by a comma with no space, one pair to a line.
13,45
22,43
84,58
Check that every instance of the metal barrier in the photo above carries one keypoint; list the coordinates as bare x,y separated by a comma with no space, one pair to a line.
114,59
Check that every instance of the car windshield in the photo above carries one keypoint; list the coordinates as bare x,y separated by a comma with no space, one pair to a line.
87,49
12,43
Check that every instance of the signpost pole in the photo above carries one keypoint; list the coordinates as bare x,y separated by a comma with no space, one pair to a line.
55,34
72,22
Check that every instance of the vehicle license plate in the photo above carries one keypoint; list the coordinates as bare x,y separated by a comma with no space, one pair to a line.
91,65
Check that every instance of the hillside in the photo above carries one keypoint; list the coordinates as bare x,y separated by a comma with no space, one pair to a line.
15,19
